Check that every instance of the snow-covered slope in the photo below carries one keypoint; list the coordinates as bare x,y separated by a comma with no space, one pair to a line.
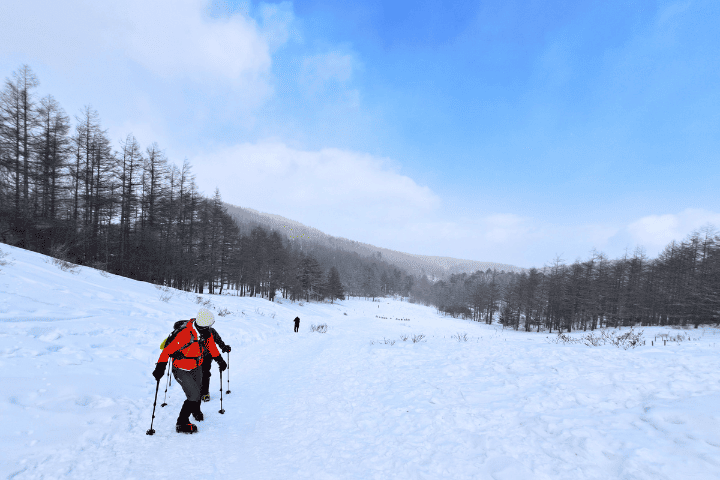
77,349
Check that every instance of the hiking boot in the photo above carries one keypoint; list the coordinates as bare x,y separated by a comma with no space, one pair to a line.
205,398
186,428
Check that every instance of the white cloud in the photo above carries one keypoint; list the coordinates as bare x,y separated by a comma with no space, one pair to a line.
336,190
172,37
500,228
179,72
514,239
655,232
167,37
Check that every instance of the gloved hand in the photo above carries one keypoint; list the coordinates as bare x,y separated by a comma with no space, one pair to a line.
226,349
159,370
221,363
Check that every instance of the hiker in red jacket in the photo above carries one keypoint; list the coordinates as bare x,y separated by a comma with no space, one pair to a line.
187,350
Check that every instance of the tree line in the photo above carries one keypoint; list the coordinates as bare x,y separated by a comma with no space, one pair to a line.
66,191
680,287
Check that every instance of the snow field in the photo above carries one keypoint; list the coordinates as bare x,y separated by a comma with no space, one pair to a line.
77,350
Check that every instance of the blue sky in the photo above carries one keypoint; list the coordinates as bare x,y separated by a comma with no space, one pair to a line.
501,131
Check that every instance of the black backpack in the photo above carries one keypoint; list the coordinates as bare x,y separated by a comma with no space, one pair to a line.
177,328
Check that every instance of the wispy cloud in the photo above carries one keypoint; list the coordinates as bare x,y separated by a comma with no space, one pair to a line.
341,191
656,231
329,75
277,24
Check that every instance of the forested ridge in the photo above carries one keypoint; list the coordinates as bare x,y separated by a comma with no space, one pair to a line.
434,267
69,191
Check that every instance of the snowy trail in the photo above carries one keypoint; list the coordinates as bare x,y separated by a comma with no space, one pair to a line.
77,351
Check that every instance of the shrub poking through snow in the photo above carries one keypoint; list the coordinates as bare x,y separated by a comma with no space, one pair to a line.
460,337
629,339
224,312
322,328
64,265
4,262
680,337
59,257
201,301
165,293
99,266
404,338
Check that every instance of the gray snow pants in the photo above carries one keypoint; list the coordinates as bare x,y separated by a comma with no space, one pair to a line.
190,381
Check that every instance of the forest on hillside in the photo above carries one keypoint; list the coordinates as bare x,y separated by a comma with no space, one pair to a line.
680,287
67,190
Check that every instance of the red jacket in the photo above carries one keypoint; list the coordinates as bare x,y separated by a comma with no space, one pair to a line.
187,343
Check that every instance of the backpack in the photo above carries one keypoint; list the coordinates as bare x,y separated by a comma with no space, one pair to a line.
177,328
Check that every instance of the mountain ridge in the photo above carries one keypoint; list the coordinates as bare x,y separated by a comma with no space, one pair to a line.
435,267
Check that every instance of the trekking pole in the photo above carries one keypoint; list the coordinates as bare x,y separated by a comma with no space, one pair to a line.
151,431
166,385
222,410
228,369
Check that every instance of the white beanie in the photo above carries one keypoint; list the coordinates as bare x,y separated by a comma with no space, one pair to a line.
204,318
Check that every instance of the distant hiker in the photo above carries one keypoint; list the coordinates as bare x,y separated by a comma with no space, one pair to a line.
187,349
297,323
207,363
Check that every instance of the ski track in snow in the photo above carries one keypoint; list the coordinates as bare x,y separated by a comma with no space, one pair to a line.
77,350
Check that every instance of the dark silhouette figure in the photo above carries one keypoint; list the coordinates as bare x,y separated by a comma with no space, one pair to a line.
297,323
